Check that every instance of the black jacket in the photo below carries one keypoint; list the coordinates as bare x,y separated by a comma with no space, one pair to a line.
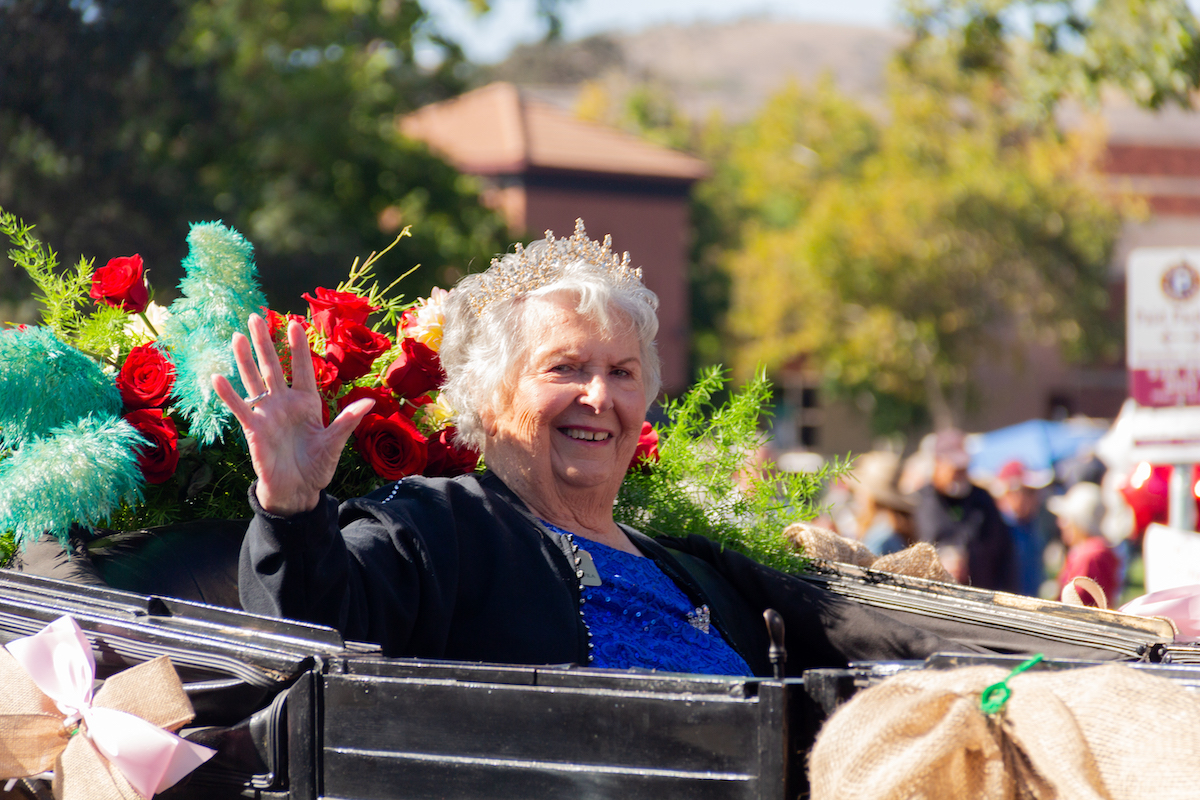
460,569
974,525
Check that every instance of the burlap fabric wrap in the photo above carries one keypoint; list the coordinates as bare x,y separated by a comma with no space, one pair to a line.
1106,732
827,545
34,740
917,561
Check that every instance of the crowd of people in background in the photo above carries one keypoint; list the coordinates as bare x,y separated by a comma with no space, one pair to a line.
1023,531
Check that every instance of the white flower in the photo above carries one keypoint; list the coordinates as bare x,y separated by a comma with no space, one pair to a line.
424,321
158,316
436,415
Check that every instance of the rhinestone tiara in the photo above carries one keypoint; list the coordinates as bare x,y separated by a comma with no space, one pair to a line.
527,271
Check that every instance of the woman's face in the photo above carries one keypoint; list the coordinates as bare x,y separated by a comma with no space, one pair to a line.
576,410
1071,533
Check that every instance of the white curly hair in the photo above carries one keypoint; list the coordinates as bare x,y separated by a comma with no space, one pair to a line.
481,350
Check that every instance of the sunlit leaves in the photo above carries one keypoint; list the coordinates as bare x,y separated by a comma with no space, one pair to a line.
957,230
275,116
1045,50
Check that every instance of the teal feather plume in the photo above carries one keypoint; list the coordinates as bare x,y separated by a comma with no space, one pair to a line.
42,482
220,291
220,260
45,384
208,353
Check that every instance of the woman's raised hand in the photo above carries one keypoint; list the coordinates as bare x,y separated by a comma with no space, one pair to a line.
293,453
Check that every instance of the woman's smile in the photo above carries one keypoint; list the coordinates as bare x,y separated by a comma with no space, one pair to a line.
582,435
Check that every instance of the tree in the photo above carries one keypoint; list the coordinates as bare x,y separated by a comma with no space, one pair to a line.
1041,51
764,177
121,121
896,253
85,97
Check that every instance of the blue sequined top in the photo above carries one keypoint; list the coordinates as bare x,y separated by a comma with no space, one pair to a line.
638,617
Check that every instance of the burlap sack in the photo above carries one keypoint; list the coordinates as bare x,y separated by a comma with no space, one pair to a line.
1108,732
919,560
827,545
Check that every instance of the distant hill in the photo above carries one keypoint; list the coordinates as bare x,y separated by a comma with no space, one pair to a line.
731,67
734,67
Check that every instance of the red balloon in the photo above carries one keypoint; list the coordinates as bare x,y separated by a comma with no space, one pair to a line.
1147,490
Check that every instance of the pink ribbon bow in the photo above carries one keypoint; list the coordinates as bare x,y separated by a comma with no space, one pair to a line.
59,662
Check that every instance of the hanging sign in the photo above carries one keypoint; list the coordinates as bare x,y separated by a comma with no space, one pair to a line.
1163,326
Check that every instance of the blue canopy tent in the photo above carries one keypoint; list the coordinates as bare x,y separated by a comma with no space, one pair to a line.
1041,445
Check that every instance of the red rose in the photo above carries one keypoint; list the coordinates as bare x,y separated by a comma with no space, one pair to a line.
418,370
392,446
159,458
407,320
329,308
277,323
647,446
409,406
146,378
385,404
121,284
328,382
446,459
353,348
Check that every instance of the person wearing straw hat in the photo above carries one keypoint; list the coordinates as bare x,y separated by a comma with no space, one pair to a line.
884,514
1080,512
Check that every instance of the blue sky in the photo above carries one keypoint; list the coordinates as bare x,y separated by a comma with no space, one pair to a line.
489,38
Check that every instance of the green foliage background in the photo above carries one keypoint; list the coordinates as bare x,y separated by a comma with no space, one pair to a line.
122,121
896,247
949,231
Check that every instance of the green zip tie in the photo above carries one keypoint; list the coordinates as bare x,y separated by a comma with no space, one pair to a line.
995,696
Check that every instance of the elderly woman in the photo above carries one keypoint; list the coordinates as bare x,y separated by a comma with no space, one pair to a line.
551,364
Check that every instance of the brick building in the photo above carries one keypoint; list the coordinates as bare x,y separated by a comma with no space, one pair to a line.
543,168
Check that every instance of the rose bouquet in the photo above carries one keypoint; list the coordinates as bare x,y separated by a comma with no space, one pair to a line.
409,430
108,418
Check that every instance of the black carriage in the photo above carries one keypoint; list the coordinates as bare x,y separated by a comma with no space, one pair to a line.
296,712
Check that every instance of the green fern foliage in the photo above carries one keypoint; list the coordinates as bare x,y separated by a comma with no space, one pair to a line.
8,548
361,281
62,294
709,479
209,483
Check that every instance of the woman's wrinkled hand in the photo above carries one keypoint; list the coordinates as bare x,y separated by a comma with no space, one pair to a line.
293,453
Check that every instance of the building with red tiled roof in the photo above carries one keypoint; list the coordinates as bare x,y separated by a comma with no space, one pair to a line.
543,168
